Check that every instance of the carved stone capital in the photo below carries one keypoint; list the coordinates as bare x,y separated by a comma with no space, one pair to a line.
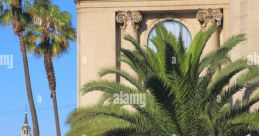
126,18
205,16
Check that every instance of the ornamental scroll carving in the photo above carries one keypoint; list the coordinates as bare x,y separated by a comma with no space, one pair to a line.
205,16
126,18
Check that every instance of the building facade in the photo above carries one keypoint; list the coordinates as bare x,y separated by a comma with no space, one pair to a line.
102,24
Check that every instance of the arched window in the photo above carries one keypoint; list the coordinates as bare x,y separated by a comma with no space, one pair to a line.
177,29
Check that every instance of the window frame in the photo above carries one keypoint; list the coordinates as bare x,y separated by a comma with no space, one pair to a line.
188,23
167,20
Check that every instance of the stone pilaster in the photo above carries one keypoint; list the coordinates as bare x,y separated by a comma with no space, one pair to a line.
129,21
207,17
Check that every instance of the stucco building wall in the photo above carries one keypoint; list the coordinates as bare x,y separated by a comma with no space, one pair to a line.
99,35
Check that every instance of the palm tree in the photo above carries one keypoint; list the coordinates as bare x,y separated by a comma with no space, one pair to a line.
12,13
49,37
181,97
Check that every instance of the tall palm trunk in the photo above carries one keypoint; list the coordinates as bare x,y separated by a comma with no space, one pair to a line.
52,86
28,85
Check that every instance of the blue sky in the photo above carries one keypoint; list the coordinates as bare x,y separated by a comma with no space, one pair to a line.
13,99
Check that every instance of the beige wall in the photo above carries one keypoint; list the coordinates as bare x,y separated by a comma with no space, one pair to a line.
96,46
98,30
244,19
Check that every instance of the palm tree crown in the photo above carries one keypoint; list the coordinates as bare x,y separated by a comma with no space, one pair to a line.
48,36
181,97
52,30
12,13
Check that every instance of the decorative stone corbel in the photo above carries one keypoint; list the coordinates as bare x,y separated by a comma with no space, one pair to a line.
206,16
126,18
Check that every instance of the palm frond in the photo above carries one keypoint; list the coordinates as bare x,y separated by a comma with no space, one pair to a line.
198,44
6,17
107,86
222,51
223,78
133,80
